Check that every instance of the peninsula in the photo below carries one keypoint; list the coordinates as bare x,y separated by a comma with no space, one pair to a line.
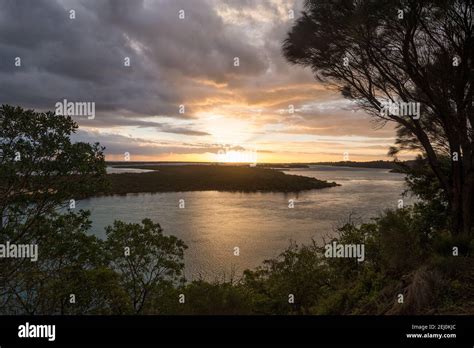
179,178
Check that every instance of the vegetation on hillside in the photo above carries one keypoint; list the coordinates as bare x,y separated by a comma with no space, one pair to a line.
394,166
175,178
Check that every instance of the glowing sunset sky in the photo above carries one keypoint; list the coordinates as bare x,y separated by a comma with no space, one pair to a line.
177,61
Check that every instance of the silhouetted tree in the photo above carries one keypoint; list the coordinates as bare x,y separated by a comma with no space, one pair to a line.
41,171
377,52
146,259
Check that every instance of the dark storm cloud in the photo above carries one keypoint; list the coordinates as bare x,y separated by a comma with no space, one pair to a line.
82,59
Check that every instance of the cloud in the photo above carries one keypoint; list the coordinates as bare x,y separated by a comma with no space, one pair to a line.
120,121
117,144
82,58
173,61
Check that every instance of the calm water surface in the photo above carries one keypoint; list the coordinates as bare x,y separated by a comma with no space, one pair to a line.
260,224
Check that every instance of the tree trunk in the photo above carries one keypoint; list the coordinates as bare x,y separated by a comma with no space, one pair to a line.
467,208
456,211
461,205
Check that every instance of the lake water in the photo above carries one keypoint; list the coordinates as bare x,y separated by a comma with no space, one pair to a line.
260,224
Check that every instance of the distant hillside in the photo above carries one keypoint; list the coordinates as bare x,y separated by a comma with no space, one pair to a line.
394,166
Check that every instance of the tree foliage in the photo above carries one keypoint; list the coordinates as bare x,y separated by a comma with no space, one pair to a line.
406,51
41,171
145,259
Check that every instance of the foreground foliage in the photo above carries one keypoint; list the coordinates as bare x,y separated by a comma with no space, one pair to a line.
403,256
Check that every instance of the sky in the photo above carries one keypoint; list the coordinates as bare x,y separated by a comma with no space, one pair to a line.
182,97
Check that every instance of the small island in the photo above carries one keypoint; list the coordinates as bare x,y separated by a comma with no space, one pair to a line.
179,178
